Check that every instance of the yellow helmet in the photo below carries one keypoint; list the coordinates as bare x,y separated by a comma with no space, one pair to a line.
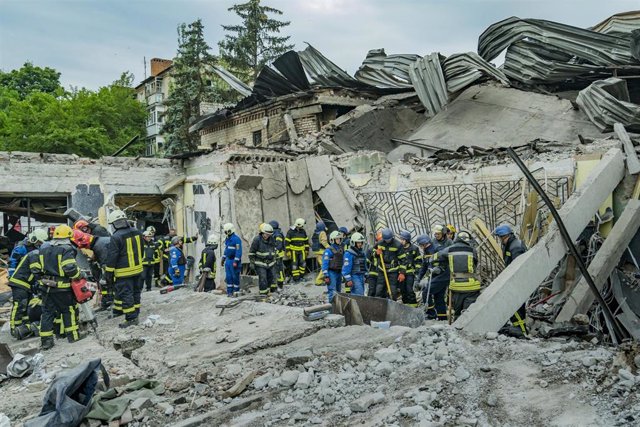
63,232
451,228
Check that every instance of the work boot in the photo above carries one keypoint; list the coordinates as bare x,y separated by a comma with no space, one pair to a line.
23,332
81,335
46,343
128,323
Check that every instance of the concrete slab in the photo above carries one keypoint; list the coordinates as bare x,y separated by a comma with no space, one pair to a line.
341,206
516,282
320,172
633,163
300,206
246,182
604,262
297,176
274,183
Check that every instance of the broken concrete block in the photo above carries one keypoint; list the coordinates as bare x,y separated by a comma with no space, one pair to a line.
305,379
384,368
165,407
202,377
289,378
363,403
354,355
140,403
262,381
126,417
390,355
461,374
299,358
177,384
247,182
412,411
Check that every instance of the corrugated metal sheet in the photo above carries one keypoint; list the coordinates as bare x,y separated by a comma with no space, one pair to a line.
386,71
429,83
463,69
606,102
232,81
323,72
620,23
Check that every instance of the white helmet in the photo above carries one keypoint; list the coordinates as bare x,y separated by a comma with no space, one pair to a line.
212,241
147,233
300,222
438,229
266,228
228,228
116,216
151,229
38,235
335,235
356,238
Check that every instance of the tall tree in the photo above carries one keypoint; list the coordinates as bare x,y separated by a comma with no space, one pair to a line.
191,87
255,41
30,79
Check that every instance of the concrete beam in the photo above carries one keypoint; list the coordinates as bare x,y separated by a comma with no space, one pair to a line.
516,282
604,262
633,163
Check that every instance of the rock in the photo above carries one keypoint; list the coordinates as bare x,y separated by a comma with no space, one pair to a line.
165,408
200,402
233,370
305,410
412,411
285,416
462,374
289,399
625,375
491,335
354,355
299,358
363,403
389,355
424,398
232,338
305,379
36,386
126,417
315,420
328,396
588,361
221,338
275,383
580,319
384,368
202,376
441,352
543,383
140,403
262,381
467,421
177,384
179,400
492,400
289,378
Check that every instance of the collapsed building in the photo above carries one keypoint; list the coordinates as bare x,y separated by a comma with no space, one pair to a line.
407,143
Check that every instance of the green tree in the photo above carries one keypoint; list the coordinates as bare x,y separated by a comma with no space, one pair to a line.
30,79
191,86
255,41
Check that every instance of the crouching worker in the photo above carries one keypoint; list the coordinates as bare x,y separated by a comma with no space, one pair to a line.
332,261
354,266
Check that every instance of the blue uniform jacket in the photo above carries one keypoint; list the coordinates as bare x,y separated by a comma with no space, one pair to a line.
175,254
16,255
326,257
347,265
232,248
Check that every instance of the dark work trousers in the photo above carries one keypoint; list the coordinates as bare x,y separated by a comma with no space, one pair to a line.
209,285
298,263
147,275
265,279
124,291
462,300
137,295
19,310
107,296
436,307
518,319
55,302
381,285
406,289
156,273
279,272
371,285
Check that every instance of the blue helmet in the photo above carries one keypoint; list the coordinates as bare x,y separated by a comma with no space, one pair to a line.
320,226
274,224
343,230
503,230
405,235
423,239
387,234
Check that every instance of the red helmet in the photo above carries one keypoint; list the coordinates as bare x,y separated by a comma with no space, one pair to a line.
81,240
82,225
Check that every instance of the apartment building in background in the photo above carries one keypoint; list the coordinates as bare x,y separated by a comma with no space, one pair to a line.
153,91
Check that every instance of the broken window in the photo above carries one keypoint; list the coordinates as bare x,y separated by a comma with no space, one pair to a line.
198,189
257,138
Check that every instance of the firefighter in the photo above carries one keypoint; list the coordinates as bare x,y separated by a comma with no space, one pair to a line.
372,257
388,251
157,274
208,264
332,262
149,259
123,268
262,256
279,239
450,230
512,248
91,228
232,259
319,243
100,247
426,253
354,266
56,269
20,250
177,261
463,262
435,286
440,239
297,243
411,261
22,282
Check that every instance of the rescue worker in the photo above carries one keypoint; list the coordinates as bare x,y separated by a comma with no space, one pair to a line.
232,259
435,286
372,258
123,268
464,285
388,251
149,259
100,247
166,246
451,232
279,239
21,249
332,262
354,266
22,282
427,250
157,274
297,243
208,264
262,256
56,268
512,248
440,238
177,261
319,243
91,228
411,261
346,240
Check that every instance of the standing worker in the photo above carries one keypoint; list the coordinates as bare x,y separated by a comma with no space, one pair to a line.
149,257
177,261
451,232
440,239
91,228
434,291
123,268
20,250
332,261
463,261
232,259
208,264
297,243
346,239
388,252
279,239
56,269
512,248
262,255
372,258
354,266
319,243
411,261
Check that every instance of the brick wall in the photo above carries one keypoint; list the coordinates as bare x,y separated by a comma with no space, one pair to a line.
159,65
306,125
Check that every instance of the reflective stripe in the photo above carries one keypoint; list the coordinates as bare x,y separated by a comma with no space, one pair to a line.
60,266
20,282
46,334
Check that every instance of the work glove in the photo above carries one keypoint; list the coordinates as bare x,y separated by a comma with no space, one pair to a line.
417,287
327,280
435,271
108,278
401,277
347,286
378,251
176,272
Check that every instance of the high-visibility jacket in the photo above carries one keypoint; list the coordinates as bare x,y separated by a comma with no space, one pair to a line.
392,255
297,240
262,252
279,239
512,249
150,254
462,265
412,260
23,276
125,253
57,262
208,260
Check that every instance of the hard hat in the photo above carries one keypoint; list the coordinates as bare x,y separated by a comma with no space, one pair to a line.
344,230
38,235
81,225
266,229
274,224
451,228
175,240
335,235
300,222
63,232
151,229
438,229
211,241
116,216
81,240
228,228
356,238
147,233
405,235
463,236
503,230
387,234
423,239
320,226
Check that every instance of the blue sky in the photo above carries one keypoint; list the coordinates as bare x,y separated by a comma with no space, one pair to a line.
92,41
